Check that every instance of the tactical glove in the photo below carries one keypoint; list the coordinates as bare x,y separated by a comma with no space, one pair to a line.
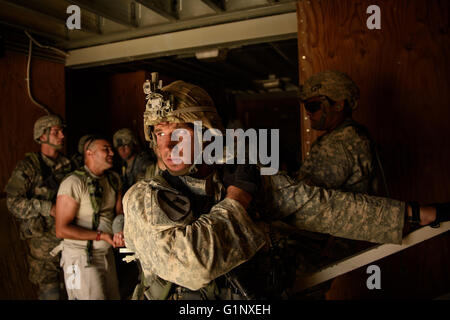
442,213
243,176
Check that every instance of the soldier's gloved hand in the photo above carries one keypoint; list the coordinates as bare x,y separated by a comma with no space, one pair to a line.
243,176
442,213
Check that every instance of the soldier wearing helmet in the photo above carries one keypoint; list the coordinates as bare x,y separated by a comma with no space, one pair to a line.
191,228
133,163
31,195
343,157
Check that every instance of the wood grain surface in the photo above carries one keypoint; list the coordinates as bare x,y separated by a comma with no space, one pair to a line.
404,78
18,115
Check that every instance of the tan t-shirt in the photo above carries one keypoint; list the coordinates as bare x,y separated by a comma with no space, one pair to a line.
76,187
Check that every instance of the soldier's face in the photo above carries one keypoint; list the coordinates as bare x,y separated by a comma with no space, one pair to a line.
55,137
175,161
125,151
314,110
101,153
321,113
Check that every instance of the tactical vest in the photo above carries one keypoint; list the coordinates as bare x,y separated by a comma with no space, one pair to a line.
36,227
261,277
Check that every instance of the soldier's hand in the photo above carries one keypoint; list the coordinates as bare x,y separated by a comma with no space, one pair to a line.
241,196
53,211
108,238
242,176
441,213
119,240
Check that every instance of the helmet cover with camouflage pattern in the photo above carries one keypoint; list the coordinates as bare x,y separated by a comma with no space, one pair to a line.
82,142
335,85
44,123
179,102
124,137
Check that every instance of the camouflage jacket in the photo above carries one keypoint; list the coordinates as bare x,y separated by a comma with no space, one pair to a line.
136,171
77,161
31,192
342,159
152,171
179,243
187,240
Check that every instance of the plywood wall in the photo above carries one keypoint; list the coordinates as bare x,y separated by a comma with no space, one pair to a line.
18,115
403,73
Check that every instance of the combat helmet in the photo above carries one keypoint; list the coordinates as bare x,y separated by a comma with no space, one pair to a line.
82,142
178,102
335,85
123,137
44,123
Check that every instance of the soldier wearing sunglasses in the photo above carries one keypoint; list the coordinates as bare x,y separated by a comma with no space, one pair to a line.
343,158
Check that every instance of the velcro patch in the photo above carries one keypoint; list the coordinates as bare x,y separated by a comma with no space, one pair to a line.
174,205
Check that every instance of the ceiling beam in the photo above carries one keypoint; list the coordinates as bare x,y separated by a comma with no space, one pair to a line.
259,30
197,22
52,10
24,18
169,9
216,5
120,11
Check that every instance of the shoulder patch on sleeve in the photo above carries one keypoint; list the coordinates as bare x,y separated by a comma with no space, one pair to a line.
176,206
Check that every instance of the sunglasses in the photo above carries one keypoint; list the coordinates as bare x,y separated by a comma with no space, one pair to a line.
314,106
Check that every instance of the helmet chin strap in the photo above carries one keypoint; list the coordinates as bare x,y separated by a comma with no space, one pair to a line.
321,124
322,120
185,172
56,147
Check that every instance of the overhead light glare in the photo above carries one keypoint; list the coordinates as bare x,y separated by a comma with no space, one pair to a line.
214,53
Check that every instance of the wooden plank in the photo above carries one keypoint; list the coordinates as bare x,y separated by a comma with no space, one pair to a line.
369,256
402,72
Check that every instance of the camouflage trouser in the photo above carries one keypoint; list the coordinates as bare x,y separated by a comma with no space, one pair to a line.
44,270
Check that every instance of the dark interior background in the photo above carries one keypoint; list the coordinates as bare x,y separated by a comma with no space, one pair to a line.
402,70
108,98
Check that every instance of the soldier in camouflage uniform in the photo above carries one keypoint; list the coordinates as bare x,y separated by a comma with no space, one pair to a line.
31,195
343,158
190,227
133,164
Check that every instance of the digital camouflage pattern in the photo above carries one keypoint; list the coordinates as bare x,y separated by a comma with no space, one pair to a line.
43,123
334,84
136,171
124,137
152,171
30,194
184,246
191,249
347,215
77,161
341,159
